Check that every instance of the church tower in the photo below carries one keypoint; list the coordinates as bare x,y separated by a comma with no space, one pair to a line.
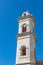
26,40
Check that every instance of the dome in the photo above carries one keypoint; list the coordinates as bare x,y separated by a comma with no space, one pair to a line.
25,14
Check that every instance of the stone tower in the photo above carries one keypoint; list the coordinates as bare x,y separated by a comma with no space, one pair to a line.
26,40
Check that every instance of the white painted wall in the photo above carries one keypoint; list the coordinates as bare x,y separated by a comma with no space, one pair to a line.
27,41
21,22
32,49
29,24
23,41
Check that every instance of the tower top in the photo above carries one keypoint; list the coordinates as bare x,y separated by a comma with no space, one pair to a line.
26,14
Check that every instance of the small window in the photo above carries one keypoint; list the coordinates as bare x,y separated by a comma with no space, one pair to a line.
24,14
23,51
24,28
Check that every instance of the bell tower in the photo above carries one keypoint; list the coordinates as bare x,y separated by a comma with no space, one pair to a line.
26,40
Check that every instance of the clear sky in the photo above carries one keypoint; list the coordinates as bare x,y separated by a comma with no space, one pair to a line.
10,10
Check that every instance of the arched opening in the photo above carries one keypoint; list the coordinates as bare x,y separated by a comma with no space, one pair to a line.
24,14
23,51
24,28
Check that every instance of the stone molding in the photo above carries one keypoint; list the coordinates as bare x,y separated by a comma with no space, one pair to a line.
26,17
26,63
27,33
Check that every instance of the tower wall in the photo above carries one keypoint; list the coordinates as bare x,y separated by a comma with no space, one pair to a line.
29,23
25,54
23,41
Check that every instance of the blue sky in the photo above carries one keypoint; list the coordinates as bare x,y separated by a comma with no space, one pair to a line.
10,10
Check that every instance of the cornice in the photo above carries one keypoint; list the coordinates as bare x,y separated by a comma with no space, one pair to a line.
25,17
26,63
39,61
27,33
